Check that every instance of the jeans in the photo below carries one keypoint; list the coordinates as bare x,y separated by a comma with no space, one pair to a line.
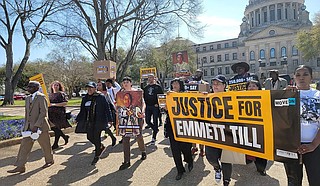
154,112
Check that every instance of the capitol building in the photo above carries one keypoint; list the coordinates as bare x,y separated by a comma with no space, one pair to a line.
267,40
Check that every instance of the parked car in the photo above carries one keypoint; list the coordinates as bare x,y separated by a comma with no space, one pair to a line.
1,97
19,96
82,92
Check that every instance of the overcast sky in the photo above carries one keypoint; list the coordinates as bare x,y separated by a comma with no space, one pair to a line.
222,17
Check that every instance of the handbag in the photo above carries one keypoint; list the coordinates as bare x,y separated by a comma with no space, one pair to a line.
228,156
81,128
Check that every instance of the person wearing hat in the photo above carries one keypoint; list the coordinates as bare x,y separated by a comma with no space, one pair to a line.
275,82
36,112
213,155
95,114
150,96
238,82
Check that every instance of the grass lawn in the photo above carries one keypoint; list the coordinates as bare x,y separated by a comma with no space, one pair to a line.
11,117
71,102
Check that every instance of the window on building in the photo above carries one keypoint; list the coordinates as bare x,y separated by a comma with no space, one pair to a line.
272,15
283,51
259,17
198,60
211,58
205,72
279,14
226,57
318,62
252,55
219,58
294,14
262,54
265,17
212,71
295,62
243,54
273,63
204,59
219,46
253,68
234,56
211,47
227,69
197,49
204,48
226,45
219,70
286,13
234,44
294,51
272,53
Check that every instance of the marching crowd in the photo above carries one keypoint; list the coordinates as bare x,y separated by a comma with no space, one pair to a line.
98,113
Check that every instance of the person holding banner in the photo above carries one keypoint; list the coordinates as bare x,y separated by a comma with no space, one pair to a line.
219,84
310,133
260,163
127,87
238,82
178,147
95,115
57,112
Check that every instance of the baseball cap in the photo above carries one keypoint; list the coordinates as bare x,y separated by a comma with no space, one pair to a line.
220,78
91,84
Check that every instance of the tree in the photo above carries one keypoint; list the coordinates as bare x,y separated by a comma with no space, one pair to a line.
101,25
21,17
309,40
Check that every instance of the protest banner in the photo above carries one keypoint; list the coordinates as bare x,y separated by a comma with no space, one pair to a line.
162,100
144,72
260,123
43,88
129,113
104,69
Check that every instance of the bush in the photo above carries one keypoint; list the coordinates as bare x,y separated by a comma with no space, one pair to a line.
10,128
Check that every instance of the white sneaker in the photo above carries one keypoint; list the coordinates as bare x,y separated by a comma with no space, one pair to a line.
218,176
153,141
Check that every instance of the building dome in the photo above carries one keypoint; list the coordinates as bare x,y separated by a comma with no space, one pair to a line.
260,14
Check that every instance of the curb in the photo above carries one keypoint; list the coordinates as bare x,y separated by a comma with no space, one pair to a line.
15,141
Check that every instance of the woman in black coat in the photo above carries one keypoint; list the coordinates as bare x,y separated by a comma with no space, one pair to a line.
95,114
178,147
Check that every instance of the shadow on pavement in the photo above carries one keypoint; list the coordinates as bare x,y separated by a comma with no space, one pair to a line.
14,179
194,177
119,177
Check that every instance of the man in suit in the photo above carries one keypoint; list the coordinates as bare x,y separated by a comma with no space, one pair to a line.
275,82
36,118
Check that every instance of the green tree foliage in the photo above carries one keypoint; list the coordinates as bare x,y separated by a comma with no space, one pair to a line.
309,40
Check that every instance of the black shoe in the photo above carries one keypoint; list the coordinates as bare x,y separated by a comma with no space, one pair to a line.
147,127
95,160
102,149
143,156
55,146
124,165
114,141
179,176
262,173
66,139
190,166
226,183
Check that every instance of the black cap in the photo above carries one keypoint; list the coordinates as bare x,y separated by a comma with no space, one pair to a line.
91,84
220,78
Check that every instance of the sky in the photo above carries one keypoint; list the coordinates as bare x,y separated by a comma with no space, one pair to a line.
222,17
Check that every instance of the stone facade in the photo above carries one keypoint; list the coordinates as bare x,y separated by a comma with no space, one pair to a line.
267,40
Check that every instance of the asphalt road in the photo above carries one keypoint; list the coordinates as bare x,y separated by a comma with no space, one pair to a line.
72,166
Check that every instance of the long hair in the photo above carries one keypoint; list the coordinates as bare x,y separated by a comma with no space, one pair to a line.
104,86
181,83
61,87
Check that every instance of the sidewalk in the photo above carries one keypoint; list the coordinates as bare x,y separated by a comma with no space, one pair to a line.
72,167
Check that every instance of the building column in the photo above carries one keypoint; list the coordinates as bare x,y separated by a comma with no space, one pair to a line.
284,11
254,18
261,16
276,11
268,14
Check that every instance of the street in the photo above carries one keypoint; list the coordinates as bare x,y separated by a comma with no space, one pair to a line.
73,166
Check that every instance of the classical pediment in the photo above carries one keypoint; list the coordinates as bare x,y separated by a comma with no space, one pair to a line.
271,31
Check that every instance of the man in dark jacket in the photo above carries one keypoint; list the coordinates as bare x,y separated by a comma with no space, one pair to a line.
96,114
150,97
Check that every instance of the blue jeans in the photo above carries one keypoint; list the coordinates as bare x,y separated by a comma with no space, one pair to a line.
154,112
